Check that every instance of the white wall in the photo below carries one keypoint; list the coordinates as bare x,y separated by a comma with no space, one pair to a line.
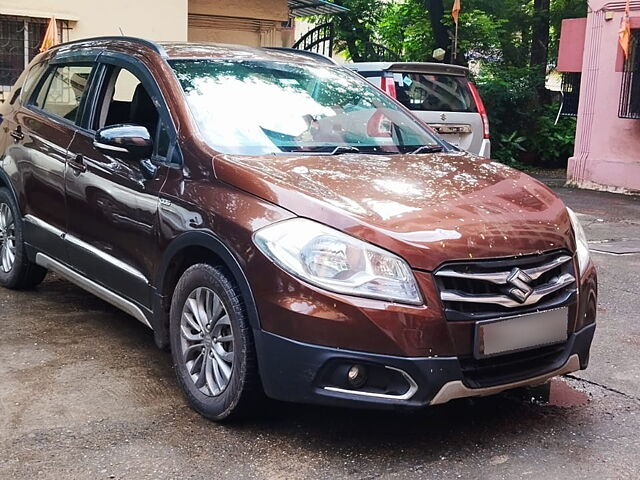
150,19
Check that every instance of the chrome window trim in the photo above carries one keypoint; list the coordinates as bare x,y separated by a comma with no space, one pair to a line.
92,287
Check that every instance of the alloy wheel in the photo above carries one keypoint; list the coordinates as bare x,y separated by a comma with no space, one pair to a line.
207,341
7,238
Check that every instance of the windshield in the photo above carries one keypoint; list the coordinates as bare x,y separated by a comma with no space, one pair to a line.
260,107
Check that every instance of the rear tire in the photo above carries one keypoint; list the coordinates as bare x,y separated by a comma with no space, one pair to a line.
16,271
212,345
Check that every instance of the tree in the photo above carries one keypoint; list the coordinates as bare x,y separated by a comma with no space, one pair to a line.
540,44
405,27
514,41
517,33
355,27
440,31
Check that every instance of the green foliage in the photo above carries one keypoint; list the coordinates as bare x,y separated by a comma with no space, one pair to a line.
497,33
521,128
510,147
553,143
494,28
479,33
510,97
404,27
516,19
355,27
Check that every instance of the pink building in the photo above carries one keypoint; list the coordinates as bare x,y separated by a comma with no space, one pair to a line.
607,147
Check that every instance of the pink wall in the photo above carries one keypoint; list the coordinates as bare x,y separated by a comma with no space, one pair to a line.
607,150
571,49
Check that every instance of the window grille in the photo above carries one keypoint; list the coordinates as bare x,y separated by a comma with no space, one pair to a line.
630,92
570,93
20,40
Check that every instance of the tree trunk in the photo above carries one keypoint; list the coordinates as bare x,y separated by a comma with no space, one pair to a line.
540,45
343,23
440,31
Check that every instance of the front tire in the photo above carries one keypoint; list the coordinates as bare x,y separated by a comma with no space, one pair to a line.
16,271
212,345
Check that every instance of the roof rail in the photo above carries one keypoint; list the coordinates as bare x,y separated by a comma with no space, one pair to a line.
141,41
305,53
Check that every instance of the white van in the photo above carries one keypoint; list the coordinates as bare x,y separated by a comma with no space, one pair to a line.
439,94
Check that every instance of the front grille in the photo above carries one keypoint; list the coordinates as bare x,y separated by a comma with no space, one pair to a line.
481,289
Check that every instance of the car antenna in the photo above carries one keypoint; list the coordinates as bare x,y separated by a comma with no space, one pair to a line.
121,32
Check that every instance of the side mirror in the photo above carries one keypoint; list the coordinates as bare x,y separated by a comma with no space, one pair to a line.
129,142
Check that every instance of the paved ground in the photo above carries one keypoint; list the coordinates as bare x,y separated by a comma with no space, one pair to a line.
85,394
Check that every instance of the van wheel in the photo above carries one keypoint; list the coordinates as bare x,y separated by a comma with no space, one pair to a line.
16,271
212,345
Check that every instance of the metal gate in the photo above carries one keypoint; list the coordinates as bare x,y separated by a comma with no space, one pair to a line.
318,40
374,52
20,40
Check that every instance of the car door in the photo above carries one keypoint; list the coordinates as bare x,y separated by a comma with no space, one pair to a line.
112,206
41,131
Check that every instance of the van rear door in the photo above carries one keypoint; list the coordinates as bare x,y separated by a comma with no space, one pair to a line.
441,95
445,102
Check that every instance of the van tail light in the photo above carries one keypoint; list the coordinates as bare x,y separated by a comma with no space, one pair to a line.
481,109
378,125
388,85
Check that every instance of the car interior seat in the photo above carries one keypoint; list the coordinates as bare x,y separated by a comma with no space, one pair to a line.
143,111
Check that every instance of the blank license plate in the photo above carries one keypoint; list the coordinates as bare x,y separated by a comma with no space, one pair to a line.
521,333
452,138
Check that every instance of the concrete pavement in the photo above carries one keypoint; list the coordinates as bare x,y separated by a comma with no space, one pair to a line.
85,394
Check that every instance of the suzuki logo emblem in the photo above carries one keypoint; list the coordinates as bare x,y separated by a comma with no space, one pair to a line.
443,117
519,282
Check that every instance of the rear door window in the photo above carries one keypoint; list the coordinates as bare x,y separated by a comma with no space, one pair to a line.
62,91
434,92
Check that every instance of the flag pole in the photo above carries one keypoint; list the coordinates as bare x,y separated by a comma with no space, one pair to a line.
455,13
624,34
455,44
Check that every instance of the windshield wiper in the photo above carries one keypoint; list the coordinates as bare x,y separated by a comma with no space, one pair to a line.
344,149
427,149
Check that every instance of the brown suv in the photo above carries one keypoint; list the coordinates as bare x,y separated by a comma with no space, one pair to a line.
287,228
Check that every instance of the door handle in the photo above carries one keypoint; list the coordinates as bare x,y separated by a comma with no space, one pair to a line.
77,163
17,134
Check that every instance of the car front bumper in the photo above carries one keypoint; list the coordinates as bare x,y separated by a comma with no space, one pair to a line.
305,373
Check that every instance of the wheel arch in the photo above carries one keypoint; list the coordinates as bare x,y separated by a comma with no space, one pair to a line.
5,182
185,250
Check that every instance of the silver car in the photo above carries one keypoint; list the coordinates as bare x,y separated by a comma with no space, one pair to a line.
439,94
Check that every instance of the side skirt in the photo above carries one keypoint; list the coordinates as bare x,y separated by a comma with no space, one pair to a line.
92,287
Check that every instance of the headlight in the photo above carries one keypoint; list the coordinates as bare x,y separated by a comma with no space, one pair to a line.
582,246
336,261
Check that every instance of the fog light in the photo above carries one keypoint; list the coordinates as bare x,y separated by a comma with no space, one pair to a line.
357,376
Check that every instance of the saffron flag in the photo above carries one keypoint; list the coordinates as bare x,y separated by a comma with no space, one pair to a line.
455,11
624,34
50,36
